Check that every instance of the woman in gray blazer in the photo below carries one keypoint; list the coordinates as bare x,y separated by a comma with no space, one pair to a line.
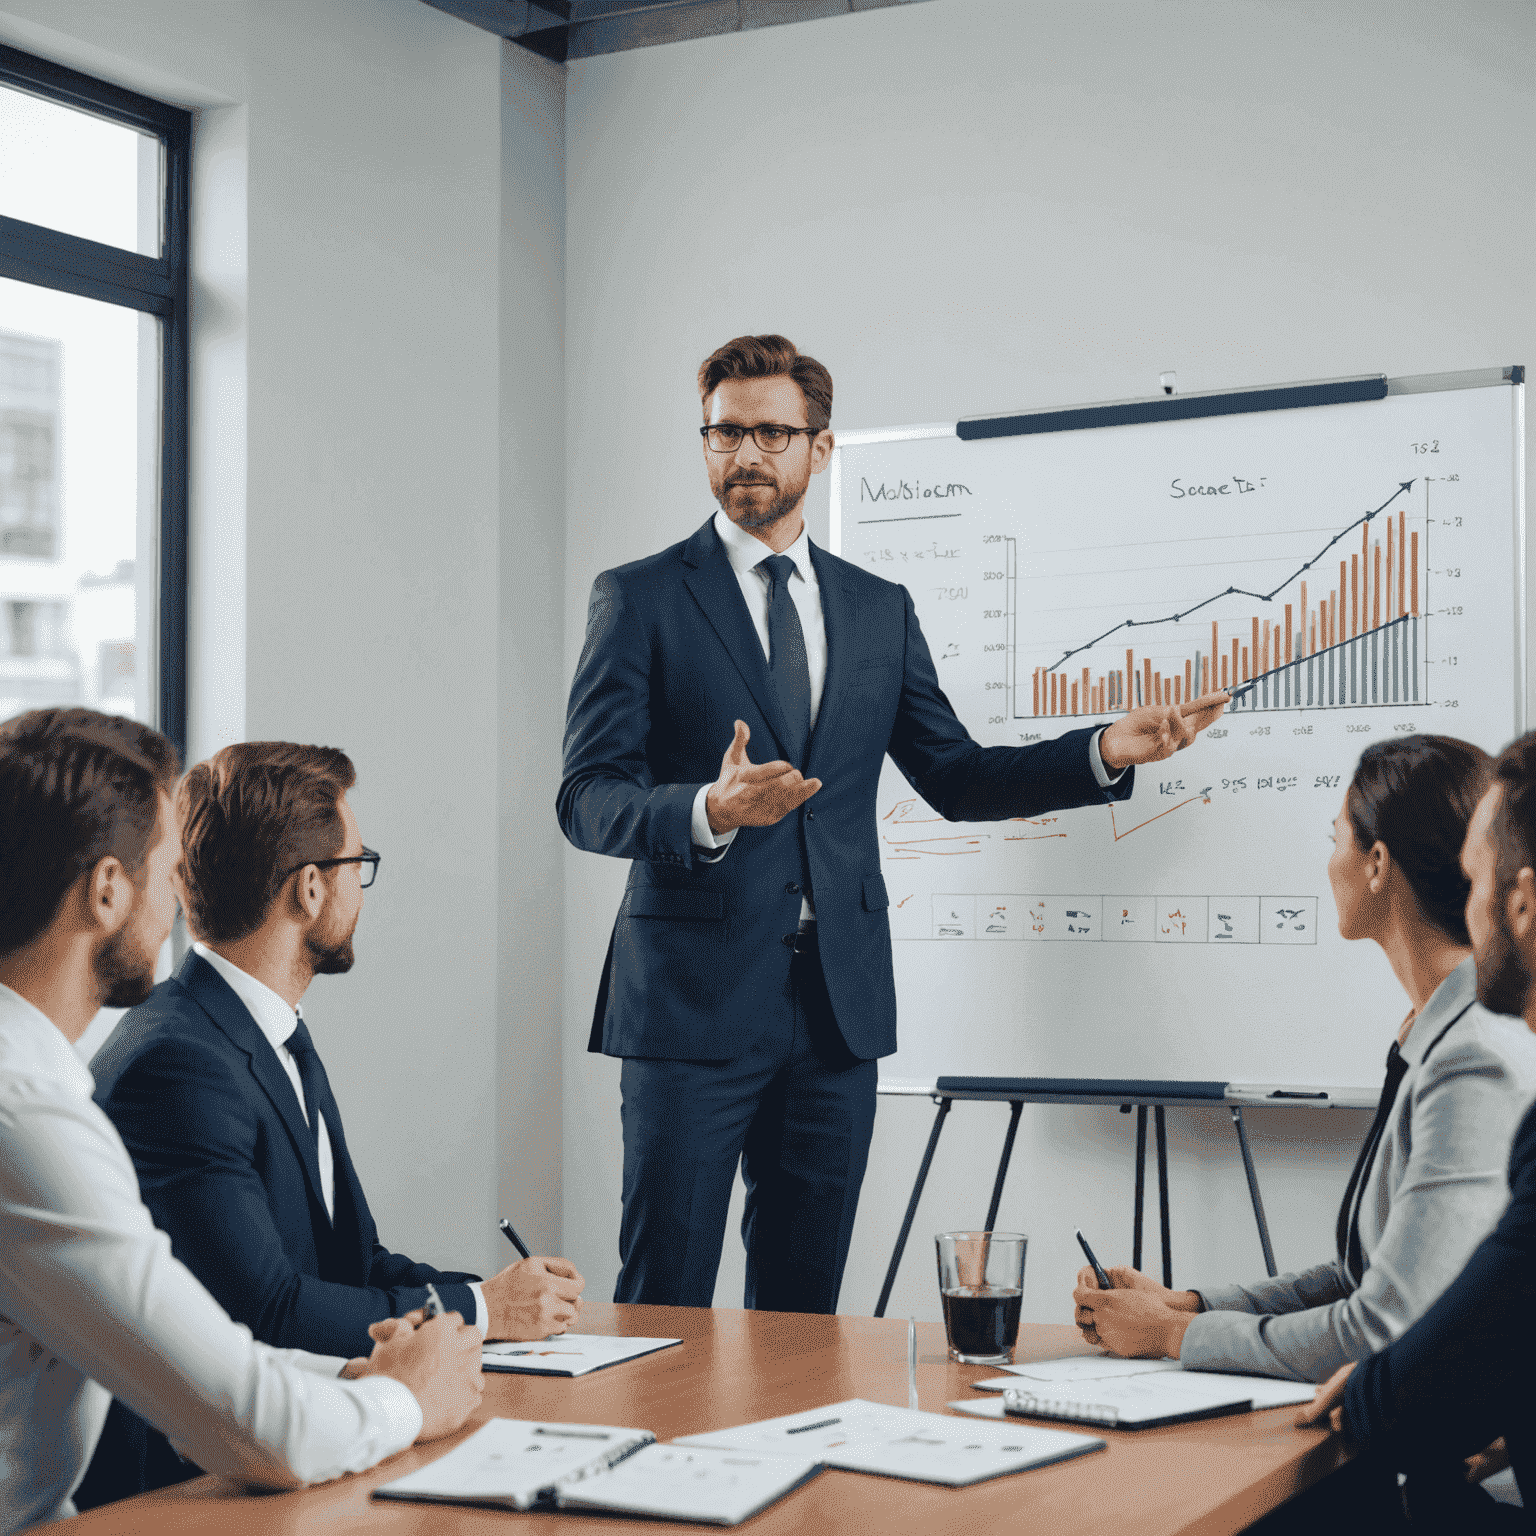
1430,1182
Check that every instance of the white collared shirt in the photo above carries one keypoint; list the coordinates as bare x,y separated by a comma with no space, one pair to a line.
92,1305
277,1022
746,553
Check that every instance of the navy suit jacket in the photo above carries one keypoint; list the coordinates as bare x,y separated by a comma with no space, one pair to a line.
696,967
227,1167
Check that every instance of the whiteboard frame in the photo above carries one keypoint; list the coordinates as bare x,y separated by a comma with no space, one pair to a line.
1511,378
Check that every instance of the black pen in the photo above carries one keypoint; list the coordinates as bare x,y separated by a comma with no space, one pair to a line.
1105,1283
509,1232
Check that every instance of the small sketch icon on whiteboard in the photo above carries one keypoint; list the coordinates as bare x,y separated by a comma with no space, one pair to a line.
1129,919
954,917
997,917
1234,920
1288,920
1181,919
1078,918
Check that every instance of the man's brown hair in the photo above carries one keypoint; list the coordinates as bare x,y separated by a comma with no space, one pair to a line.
1514,824
251,815
770,357
75,787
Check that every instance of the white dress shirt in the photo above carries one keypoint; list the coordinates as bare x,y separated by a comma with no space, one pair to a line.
94,1306
746,553
277,1021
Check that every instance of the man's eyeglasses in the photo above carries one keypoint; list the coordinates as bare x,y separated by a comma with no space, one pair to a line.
726,436
367,858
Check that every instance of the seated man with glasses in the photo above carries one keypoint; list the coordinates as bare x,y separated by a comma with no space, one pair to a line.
220,1097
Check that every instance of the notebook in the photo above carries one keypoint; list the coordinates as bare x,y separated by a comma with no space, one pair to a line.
567,1354
516,1464
859,1436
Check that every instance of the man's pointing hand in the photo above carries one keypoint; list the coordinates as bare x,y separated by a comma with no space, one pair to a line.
749,794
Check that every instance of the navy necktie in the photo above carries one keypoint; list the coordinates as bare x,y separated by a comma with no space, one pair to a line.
787,660
312,1075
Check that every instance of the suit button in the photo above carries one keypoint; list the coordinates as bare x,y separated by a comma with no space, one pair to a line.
793,887
789,940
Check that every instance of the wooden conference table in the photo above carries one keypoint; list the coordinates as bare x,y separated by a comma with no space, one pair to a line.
1200,1479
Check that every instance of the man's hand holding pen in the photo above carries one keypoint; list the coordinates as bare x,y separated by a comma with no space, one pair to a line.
438,1358
1155,731
533,1298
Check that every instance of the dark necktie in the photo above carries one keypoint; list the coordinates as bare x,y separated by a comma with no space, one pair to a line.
1348,1233
786,657
316,1088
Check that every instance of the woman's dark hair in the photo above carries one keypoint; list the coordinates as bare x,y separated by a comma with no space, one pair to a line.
1416,794
75,787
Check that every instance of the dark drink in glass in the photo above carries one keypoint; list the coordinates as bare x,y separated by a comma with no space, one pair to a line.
981,1284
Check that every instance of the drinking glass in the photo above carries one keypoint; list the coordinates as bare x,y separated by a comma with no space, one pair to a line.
981,1282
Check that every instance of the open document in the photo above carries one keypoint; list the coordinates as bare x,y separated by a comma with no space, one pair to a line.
516,1464
566,1354
859,1436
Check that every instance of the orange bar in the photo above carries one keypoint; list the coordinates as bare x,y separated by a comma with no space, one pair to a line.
1313,651
1415,547
1157,687
1074,698
1037,690
1287,636
1402,549
1187,680
1178,696
1205,674
1053,693
1376,589
1264,658
1245,663
1147,681
1256,647
1354,596
1343,595
1224,682
1215,642
1391,551
1234,662
1087,693
1322,617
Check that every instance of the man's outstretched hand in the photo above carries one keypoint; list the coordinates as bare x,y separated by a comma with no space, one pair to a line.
749,794
1156,731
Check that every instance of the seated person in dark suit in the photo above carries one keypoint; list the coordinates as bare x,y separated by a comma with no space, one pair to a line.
1458,1384
217,1091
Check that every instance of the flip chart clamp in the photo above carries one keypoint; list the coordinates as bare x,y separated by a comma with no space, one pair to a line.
1157,1095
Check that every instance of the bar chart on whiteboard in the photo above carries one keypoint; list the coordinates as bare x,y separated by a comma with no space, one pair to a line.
1350,568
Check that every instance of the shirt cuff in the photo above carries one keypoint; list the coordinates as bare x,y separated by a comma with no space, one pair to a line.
704,837
396,1405
1096,762
482,1317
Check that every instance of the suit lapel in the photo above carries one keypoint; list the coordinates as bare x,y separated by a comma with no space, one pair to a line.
715,588
217,999
840,617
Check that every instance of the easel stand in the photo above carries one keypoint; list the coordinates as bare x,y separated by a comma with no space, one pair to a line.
1144,1095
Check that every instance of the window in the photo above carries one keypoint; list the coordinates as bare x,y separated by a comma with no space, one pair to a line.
94,194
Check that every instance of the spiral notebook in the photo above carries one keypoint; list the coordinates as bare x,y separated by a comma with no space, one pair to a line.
1132,1402
516,1464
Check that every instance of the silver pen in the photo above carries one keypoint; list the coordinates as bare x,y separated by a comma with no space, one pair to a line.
434,1306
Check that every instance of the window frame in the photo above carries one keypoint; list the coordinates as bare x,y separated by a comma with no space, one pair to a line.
155,285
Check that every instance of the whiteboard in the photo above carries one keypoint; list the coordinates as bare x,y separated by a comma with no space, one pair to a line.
1187,933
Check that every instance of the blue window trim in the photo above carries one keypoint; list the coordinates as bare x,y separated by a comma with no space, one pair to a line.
156,285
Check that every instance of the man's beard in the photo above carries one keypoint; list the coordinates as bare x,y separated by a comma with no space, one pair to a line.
330,959
124,975
781,506
1503,977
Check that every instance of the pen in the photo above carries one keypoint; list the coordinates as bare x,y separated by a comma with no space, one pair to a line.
1098,1269
509,1232
434,1306
1235,694
912,1363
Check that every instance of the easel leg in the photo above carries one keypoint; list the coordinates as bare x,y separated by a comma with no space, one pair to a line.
1141,1183
917,1194
1014,1110
1253,1191
1159,1115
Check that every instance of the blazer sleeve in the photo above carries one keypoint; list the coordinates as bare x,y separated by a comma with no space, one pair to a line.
1451,1193
608,801
1460,1377
193,1136
964,781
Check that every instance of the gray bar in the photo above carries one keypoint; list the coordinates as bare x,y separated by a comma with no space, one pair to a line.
1415,661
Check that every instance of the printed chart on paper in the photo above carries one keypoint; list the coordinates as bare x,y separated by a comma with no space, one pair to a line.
1355,563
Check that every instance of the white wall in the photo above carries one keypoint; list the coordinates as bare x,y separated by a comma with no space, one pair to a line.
973,205
352,459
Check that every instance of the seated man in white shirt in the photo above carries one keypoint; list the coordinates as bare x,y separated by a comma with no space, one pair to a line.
92,1303
226,1109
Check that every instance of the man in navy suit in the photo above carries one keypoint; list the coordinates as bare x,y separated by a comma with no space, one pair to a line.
748,985
221,1099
